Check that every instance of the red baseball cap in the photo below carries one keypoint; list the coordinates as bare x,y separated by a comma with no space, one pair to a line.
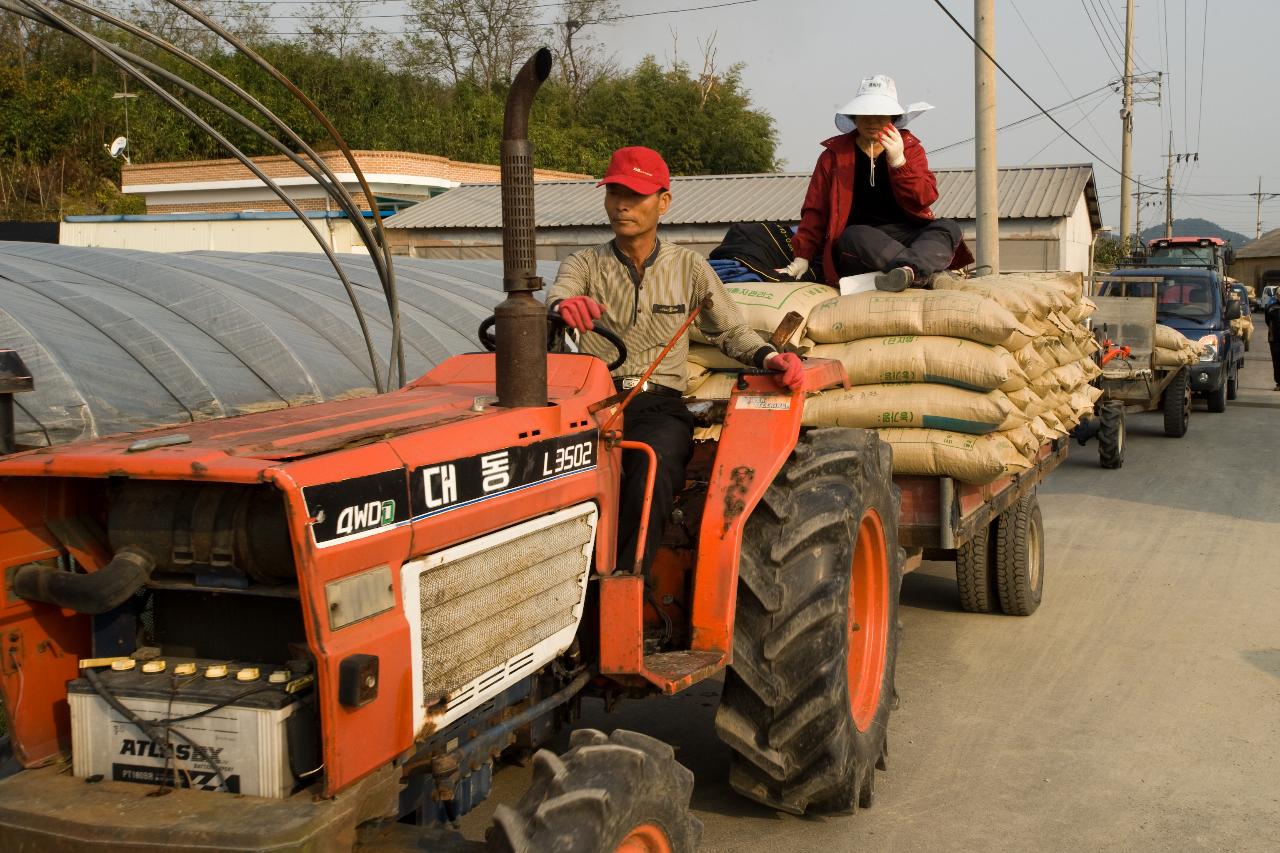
637,168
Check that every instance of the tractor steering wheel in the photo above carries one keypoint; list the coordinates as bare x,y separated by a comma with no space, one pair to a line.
555,328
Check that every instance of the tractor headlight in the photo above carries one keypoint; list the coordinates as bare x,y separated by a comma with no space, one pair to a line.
1209,346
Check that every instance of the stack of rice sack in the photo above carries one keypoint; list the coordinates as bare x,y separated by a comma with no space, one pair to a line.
967,380
764,304
1172,348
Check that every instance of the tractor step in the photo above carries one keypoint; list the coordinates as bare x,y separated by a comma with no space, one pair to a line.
680,669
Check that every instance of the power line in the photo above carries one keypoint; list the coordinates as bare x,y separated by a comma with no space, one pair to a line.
1054,69
1106,46
1024,119
1083,118
1204,42
1025,93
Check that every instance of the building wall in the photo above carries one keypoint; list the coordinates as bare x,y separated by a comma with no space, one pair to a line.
241,235
1249,270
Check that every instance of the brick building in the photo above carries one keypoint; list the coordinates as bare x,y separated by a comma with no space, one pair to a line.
397,178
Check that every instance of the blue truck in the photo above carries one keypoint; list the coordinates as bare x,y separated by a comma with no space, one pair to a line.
1194,300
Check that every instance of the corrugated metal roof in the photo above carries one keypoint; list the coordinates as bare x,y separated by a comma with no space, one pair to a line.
1266,246
1029,192
119,340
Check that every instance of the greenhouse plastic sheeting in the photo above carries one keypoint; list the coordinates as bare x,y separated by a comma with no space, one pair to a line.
120,340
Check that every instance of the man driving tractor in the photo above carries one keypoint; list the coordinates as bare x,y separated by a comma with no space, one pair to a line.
643,289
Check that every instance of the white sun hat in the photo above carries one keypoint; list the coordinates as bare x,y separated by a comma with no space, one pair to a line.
877,96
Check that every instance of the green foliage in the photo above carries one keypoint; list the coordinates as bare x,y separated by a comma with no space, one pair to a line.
57,113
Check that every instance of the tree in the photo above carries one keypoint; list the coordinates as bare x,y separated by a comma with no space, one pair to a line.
479,41
336,27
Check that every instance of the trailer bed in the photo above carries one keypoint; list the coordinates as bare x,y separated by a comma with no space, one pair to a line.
939,515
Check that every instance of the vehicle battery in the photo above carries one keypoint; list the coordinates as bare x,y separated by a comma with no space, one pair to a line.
248,738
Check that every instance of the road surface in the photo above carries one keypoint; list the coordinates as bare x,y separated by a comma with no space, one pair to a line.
1137,710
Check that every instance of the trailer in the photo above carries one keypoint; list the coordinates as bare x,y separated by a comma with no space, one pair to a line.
994,533
1131,380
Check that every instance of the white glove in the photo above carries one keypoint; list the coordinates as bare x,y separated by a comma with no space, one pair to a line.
796,268
891,141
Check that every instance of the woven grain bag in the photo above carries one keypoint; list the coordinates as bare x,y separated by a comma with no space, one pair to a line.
920,358
764,304
950,314
975,459
920,405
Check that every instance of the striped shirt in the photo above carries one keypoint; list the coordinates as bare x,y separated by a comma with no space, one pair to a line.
647,311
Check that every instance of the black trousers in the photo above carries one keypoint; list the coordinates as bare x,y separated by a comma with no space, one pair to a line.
1275,360
664,424
927,249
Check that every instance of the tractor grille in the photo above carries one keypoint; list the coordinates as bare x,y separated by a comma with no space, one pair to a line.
488,607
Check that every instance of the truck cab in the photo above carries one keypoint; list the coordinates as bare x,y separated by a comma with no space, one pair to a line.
1208,252
1194,300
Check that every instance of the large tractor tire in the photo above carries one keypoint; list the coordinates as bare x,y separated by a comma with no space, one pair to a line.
1177,405
1019,563
806,704
975,573
1111,436
618,793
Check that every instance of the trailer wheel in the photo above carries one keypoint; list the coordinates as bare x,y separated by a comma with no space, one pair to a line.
1020,557
1112,434
623,792
1177,405
975,575
806,703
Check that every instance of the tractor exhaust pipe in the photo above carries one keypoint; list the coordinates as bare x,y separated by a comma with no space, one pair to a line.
521,327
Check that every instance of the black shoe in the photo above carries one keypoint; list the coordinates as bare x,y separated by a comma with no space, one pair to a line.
895,280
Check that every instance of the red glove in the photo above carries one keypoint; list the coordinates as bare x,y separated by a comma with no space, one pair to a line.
579,312
790,366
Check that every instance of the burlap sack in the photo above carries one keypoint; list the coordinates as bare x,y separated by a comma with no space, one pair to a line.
1168,337
716,386
1042,431
1082,310
1033,364
919,405
948,314
695,375
764,303
1056,353
710,357
1021,296
1024,439
1028,402
1070,376
922,358
1162,357
975,459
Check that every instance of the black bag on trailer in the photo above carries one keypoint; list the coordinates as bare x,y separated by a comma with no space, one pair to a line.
762,247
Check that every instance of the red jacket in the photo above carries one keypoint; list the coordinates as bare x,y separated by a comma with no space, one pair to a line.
829,200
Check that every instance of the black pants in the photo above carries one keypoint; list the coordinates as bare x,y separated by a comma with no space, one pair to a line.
664,424
1275,360
927,249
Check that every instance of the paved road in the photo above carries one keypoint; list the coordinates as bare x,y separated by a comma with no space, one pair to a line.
1138,710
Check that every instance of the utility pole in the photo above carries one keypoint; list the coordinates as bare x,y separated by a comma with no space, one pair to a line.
1126,123
985,170
1259,233
1168,183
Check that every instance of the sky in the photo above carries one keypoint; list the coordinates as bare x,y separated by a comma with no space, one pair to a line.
802,59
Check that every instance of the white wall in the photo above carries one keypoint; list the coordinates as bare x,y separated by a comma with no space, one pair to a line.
230,235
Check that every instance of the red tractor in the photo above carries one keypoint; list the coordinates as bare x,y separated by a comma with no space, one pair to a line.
347,613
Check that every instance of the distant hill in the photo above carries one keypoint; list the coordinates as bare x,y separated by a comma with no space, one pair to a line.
1197,228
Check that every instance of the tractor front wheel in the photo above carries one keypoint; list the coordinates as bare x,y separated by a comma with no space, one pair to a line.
618,793
806,703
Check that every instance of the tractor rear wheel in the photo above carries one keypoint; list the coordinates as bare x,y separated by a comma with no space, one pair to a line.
806,704
1111,435
618,793
1177,405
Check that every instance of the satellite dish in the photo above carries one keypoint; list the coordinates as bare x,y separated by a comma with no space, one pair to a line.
118,145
